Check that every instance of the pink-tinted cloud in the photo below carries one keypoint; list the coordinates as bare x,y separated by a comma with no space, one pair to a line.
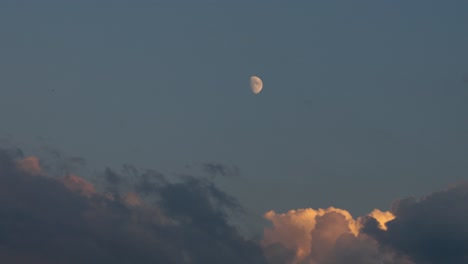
78,185
30,165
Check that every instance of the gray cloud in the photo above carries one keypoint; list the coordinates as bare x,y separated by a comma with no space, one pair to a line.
142,217
276,253
56,163
430,230
42,220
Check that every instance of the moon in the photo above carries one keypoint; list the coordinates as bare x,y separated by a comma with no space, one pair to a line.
256,84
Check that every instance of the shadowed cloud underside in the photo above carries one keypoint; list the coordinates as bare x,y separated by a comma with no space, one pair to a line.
138,216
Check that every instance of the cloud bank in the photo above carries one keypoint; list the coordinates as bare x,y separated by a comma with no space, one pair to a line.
133,216
140,218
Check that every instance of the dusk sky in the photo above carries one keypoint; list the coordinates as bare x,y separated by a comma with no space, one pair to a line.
363,103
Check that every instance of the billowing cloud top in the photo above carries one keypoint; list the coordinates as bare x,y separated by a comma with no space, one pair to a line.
314,236
430,230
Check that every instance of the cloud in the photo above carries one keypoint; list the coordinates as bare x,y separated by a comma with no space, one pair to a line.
132,199
327,236
68,220
56,163
429,230
300,230
277,253
30,165
382,218
432,229
362,249
139,216
78,185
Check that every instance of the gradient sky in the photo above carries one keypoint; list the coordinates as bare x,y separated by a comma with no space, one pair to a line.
363,101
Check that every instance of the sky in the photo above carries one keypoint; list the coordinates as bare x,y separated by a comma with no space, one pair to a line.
364,102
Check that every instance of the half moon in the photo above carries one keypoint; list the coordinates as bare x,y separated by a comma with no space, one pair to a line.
256,84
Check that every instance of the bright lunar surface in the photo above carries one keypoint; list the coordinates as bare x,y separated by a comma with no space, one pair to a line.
256,84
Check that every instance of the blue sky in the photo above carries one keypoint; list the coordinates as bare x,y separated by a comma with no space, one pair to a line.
363,101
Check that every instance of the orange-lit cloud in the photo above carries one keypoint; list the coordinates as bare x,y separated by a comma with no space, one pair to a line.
29,165
382,217
132,199
309,232
78,185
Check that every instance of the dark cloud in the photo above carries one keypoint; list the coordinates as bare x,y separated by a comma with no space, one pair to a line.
114,179
430,230
56,163
49,220
276,253
142,217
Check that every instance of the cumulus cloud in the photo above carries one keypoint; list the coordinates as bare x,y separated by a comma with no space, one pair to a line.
68,220
432,229
362,249
139,216
298,230
429,230
327,236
